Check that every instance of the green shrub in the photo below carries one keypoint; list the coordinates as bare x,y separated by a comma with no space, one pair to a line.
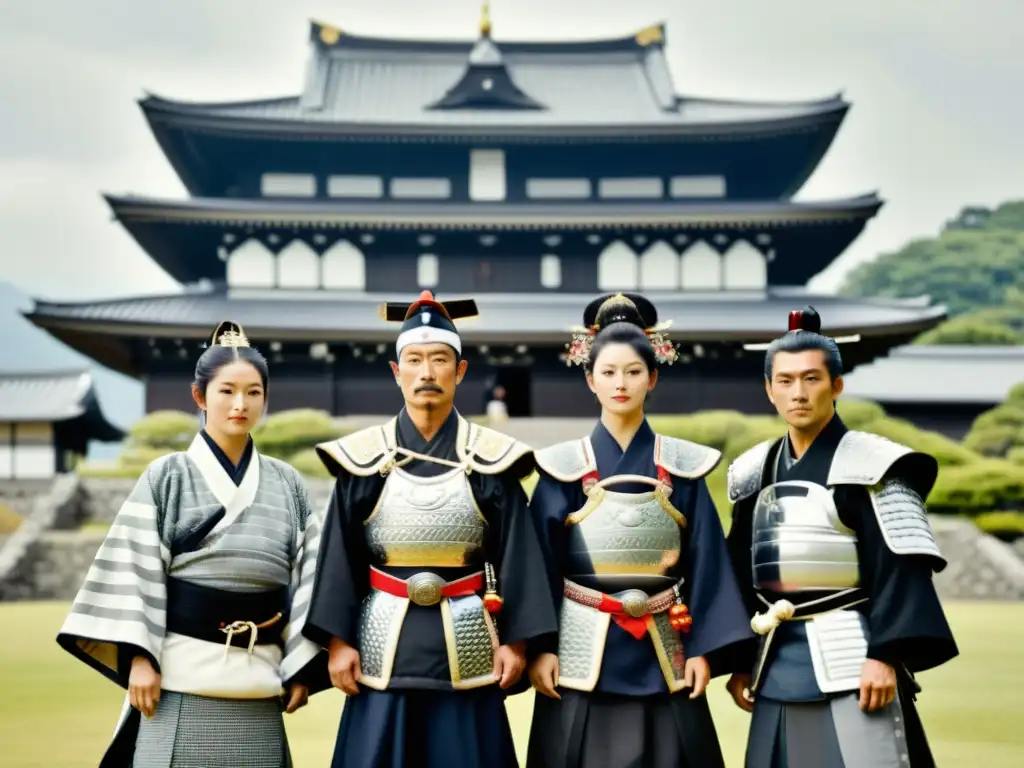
171,430
290,432
1016,455
1008,414
1016,395
998,430
712,428
983,486
138,457
104,470
996,441
759,429
947,452
1003,525
308,463
856,413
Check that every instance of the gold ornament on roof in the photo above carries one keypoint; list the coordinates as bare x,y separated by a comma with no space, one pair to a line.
649,35
329,34
485,20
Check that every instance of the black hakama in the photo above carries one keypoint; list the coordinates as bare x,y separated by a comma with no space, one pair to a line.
795,724
630,718
420,719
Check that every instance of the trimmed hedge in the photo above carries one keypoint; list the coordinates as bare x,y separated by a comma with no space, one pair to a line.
987,485
169,430
308,463
289,433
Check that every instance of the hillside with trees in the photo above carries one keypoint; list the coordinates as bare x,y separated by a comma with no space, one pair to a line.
975,267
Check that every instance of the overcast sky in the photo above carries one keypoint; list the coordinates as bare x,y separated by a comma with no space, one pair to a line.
936,87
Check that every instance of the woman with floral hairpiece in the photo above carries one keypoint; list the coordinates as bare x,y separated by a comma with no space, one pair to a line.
649,607
197,597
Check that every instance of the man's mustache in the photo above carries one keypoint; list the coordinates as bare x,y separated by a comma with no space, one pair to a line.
429,388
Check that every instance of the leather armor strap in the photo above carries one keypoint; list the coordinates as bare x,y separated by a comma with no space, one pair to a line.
426,588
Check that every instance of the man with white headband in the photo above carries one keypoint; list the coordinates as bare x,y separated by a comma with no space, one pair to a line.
427,588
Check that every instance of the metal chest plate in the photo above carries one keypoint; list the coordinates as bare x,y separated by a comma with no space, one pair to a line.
624,535
426,521
799,542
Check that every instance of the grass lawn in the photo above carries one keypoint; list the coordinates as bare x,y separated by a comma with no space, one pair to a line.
55,711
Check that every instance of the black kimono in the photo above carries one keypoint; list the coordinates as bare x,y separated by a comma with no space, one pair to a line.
623,700
400,537
807,712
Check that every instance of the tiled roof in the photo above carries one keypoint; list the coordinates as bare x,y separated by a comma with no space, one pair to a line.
271,314
360,81
599,215
940,374
54,397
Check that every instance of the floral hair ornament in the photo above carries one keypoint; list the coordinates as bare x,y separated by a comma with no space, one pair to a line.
618,308
664,350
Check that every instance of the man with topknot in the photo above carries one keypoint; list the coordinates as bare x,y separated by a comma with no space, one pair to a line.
834,553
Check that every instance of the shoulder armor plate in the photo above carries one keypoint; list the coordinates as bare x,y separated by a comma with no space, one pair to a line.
683,458
863,458
568,461
491,452
362,453
743,478
903,520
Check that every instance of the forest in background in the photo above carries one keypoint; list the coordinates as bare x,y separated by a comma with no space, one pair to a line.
975,267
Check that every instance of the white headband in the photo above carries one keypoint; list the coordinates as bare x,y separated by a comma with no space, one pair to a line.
428,334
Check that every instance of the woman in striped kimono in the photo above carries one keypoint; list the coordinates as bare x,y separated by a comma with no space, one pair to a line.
196,600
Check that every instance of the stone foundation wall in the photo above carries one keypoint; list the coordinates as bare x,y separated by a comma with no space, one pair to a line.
20,495
59,562
981,567
41,561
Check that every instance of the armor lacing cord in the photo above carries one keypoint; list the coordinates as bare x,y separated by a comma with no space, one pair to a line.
239,627
410,456
778,612
616,479
784,610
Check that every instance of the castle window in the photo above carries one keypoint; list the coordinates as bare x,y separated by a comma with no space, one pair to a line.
288,185
744,268
298,266
487,174
617,268
697,186
553,189
343,267
437,189
550,271
251,265
701,268
427,271
631,188
355,186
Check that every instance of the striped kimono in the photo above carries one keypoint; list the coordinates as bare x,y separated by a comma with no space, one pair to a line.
207,571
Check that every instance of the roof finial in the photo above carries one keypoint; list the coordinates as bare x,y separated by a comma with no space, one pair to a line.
485,20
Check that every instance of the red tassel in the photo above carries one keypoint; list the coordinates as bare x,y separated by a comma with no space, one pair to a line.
679,617
664,477
796,318
493,602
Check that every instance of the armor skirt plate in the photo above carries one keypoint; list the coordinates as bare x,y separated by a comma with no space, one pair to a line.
836,733
190,731
600,730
